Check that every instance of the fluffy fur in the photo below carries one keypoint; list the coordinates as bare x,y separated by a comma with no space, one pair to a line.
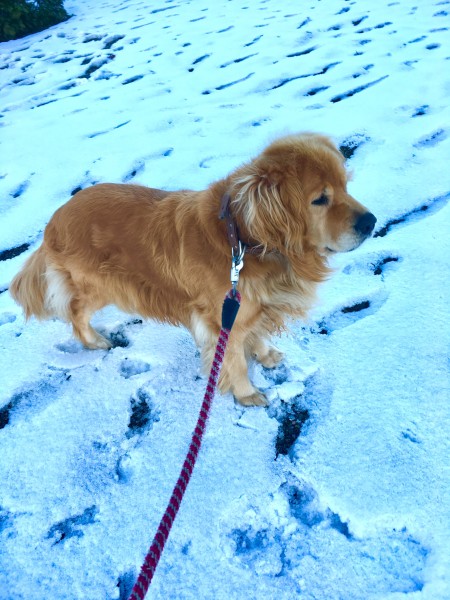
165,255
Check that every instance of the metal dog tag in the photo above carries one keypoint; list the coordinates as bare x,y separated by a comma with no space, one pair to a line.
235,269
237,262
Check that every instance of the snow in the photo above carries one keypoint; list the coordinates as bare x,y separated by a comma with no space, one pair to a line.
340,489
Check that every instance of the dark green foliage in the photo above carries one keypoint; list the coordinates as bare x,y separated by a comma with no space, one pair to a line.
22,17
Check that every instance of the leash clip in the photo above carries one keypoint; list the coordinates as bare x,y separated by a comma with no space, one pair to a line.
237,262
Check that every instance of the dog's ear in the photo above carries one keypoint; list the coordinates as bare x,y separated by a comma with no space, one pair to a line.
265,203
270,206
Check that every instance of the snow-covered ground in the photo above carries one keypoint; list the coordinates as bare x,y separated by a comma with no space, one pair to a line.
341,488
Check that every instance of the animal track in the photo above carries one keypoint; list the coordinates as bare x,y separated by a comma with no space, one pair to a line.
256,39
130,368
111,40
302,52
374,263
137,168
125,584
62,60
50,101
132,79
293,405
432,207
237,60
200,59
13,252
317,90
432,139
292,418
27,402
356,307
6,318
357,90
416,40
94,66
349,146
409,435
118,337
305,507
260,122
357,22
143,413
275,535
86,60
421,110
97,133
231,83
20,189
348,315
72,346
92,37
283,82
6,520
378,268
73,526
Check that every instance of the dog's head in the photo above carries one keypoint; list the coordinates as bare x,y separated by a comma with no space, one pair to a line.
293,198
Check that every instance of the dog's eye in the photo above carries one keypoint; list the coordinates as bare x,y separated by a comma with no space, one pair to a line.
321,201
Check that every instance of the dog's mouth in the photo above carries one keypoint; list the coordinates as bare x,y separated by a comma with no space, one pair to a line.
360,231
329,251
346,243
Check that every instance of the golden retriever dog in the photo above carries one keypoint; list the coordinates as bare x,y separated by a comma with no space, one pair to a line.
166,254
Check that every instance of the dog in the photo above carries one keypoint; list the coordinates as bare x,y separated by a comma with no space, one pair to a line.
166,254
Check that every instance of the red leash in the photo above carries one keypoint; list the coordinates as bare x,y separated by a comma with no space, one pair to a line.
229,312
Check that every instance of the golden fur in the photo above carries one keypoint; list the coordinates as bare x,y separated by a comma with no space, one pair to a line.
165,255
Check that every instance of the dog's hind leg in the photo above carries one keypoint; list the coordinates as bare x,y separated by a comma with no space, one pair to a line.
80,315
83,304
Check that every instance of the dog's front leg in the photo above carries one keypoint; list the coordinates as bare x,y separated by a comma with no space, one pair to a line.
234,374
263,352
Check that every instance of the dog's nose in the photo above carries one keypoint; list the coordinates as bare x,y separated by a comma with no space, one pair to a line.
365,223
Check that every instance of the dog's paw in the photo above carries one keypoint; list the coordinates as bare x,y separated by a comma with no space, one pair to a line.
255,399
98,343
272,359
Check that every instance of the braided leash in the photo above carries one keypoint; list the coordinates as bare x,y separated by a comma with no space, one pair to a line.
229,312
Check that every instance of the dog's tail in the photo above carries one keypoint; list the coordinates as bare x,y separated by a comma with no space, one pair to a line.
41,289
29,287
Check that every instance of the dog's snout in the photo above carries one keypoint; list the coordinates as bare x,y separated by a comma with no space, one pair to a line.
365,223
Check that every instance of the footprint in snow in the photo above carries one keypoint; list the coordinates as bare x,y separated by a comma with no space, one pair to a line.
348,315
32,399
13,252
280,536
376,263
72,526
131,367
429,208
350,145
144,412
6,318
432,139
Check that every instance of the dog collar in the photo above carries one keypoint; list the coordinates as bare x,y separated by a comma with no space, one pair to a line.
234,238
